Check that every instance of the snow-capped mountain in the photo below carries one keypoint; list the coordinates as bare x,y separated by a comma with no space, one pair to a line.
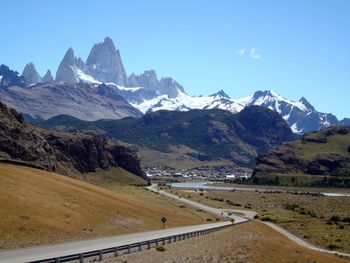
300,115
184,102
105,73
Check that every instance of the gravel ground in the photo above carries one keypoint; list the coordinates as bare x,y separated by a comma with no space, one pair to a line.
250,242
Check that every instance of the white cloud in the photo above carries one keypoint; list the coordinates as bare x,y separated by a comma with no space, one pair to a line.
240,52
254,54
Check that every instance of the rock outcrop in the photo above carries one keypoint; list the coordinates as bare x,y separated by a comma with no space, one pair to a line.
47,78
67,70
65,153
80,100
104,63
149,81
9,77
30,75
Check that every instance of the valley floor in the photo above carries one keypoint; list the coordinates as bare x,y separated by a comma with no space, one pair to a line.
250,242
320,220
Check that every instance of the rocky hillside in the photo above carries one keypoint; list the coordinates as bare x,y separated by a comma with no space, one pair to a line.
206,134
318,158
84,101
65,153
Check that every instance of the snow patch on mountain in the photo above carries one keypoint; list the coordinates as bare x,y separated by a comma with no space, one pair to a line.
85,78
184,102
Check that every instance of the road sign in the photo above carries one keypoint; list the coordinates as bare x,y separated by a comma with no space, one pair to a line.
163,219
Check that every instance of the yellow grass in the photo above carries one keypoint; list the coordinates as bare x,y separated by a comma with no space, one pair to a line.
39,207
272,205
252,242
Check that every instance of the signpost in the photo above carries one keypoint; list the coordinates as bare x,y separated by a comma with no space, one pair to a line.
163,219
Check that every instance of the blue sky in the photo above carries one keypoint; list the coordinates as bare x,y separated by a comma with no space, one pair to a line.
295,47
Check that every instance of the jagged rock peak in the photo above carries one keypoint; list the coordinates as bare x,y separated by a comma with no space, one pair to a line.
47,78
67,70
221,93
307,104
10,77
105,64
69,57
30,74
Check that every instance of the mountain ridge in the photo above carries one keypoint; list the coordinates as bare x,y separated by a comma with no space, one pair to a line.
146,92
208,134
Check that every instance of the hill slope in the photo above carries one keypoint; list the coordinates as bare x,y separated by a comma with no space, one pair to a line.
318,158
206,134
65,153
39,207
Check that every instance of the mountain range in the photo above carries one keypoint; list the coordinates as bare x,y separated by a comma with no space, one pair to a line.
101,89
197,135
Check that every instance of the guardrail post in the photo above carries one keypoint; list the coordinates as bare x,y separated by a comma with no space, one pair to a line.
149,244
100,255
169,239
81,258
57,260
140,246
116,251
129,249
156,242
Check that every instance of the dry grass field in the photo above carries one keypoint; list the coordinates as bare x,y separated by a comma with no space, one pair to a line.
321,220
252,242
38,207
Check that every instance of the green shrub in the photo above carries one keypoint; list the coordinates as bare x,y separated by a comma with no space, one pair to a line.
266,218
290,206
333,246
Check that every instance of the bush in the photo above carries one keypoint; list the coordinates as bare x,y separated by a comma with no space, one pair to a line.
209,219
232,203
312,214
160,248
333,246
266,218
335,218
346,219
248,206
218,199
290,206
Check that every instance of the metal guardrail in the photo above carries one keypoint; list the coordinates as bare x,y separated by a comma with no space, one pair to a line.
127,249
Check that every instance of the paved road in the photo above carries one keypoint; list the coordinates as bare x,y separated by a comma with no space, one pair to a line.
45,252
220,212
